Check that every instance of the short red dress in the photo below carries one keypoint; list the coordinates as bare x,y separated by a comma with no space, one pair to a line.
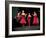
18,18
35,20
29,18
23,20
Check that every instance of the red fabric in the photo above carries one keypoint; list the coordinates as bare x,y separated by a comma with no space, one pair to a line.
23,20
18,17
35,20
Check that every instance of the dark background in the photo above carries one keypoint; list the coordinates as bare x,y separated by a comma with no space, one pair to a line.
26,9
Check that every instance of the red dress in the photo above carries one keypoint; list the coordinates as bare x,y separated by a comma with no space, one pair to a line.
35,20
29,18
18,18
23,20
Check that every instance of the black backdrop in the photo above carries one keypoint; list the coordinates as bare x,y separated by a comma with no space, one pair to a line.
26,9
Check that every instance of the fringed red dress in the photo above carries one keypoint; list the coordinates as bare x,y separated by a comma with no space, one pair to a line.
29,18
23,20
35,20
18,17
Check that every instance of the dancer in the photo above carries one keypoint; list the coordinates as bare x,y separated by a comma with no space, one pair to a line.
29,18
23,20
35,19
18,16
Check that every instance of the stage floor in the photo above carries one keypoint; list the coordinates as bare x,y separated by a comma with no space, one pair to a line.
26,28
